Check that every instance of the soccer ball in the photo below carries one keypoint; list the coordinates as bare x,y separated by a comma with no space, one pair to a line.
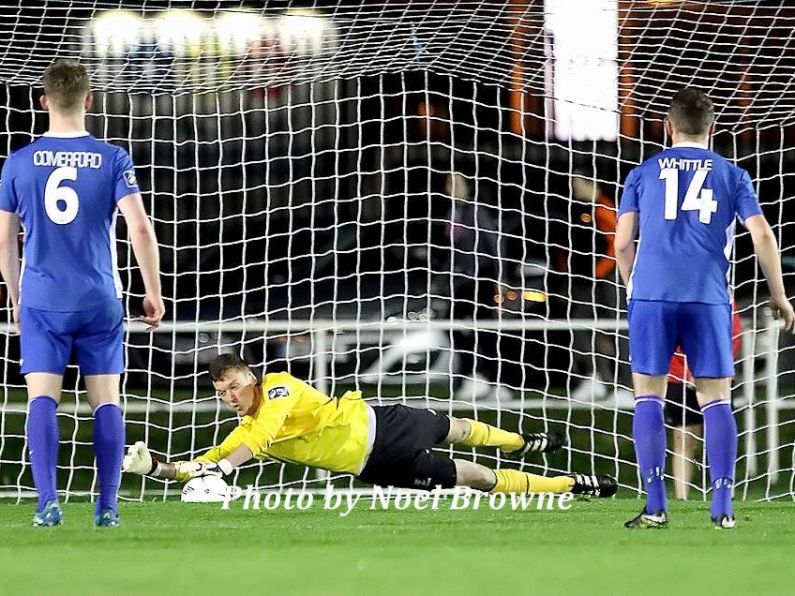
204,489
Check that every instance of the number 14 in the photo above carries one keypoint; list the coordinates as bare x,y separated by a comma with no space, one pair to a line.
696,199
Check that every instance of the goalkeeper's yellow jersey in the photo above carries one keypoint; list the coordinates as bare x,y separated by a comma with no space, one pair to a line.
297,423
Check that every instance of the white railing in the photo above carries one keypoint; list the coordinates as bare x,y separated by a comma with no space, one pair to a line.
757,344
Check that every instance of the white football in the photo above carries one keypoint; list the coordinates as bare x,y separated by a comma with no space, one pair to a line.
204,489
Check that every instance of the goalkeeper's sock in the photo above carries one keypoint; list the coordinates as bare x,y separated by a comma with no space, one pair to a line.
720,437
43,437
514,481
109,451
648,434
485,435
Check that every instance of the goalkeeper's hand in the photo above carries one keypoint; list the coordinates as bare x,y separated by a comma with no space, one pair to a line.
139,461
194,469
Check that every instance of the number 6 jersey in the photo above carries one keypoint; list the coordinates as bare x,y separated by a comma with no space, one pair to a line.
65,188
688,199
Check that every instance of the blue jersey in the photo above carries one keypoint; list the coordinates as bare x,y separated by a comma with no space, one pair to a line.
65,189
688,199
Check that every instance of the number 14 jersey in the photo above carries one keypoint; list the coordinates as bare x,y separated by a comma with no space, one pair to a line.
687,199
65,189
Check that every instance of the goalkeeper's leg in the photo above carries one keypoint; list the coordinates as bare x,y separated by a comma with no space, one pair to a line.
103,395
473,433
44,393
424,469
513,481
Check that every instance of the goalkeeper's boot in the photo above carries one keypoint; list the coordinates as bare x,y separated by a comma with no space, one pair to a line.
723,522
648,521
592,485
50,515
539,443
107,518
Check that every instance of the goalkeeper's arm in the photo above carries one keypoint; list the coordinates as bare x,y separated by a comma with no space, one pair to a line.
139,460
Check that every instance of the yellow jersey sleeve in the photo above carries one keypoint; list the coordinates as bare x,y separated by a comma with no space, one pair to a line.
232,441
215,454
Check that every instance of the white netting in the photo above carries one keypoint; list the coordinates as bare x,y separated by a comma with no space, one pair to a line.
300,163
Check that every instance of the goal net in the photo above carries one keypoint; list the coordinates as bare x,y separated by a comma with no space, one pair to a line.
413,199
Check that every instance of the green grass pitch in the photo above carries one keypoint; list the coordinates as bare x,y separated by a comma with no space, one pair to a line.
175,548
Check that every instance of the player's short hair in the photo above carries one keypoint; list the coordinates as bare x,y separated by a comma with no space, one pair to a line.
223,363
691,112
66,84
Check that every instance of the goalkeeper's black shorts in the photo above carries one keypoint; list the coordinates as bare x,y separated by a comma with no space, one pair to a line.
401,454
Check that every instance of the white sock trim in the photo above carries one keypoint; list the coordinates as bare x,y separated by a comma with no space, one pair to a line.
57,401
712,404
651,399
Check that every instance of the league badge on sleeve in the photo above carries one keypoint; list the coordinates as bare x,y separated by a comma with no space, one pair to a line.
130,179
275,392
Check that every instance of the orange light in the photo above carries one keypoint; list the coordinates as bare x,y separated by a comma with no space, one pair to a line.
534,296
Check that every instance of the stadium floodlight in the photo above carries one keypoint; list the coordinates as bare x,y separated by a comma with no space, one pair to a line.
236,31
304,31
582,69
181,32
115,32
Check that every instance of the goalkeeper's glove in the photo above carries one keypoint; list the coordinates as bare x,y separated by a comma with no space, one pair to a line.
139,461
193,469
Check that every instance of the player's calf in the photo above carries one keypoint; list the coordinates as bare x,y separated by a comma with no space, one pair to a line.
473,433
109,451
514,481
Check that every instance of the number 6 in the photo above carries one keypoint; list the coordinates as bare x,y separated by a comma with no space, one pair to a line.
54,193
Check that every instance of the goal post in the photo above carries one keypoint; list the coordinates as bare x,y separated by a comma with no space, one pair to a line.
412,199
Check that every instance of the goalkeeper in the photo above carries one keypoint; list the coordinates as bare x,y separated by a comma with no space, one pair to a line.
287,420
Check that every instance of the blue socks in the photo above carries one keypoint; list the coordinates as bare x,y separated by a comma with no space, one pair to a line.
43,438
43,441
648,434
720,438
109,451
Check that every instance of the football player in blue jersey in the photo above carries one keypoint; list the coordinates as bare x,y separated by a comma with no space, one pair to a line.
685,201
65,189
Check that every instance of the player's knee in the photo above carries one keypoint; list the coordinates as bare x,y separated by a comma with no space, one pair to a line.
708,389
474,475
44,384
459,430
649,384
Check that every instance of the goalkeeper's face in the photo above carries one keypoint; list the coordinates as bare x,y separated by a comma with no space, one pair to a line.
238,389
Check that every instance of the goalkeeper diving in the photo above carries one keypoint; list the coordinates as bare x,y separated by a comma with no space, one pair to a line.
287,420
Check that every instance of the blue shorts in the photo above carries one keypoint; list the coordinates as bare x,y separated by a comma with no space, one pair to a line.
703,330
47,339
